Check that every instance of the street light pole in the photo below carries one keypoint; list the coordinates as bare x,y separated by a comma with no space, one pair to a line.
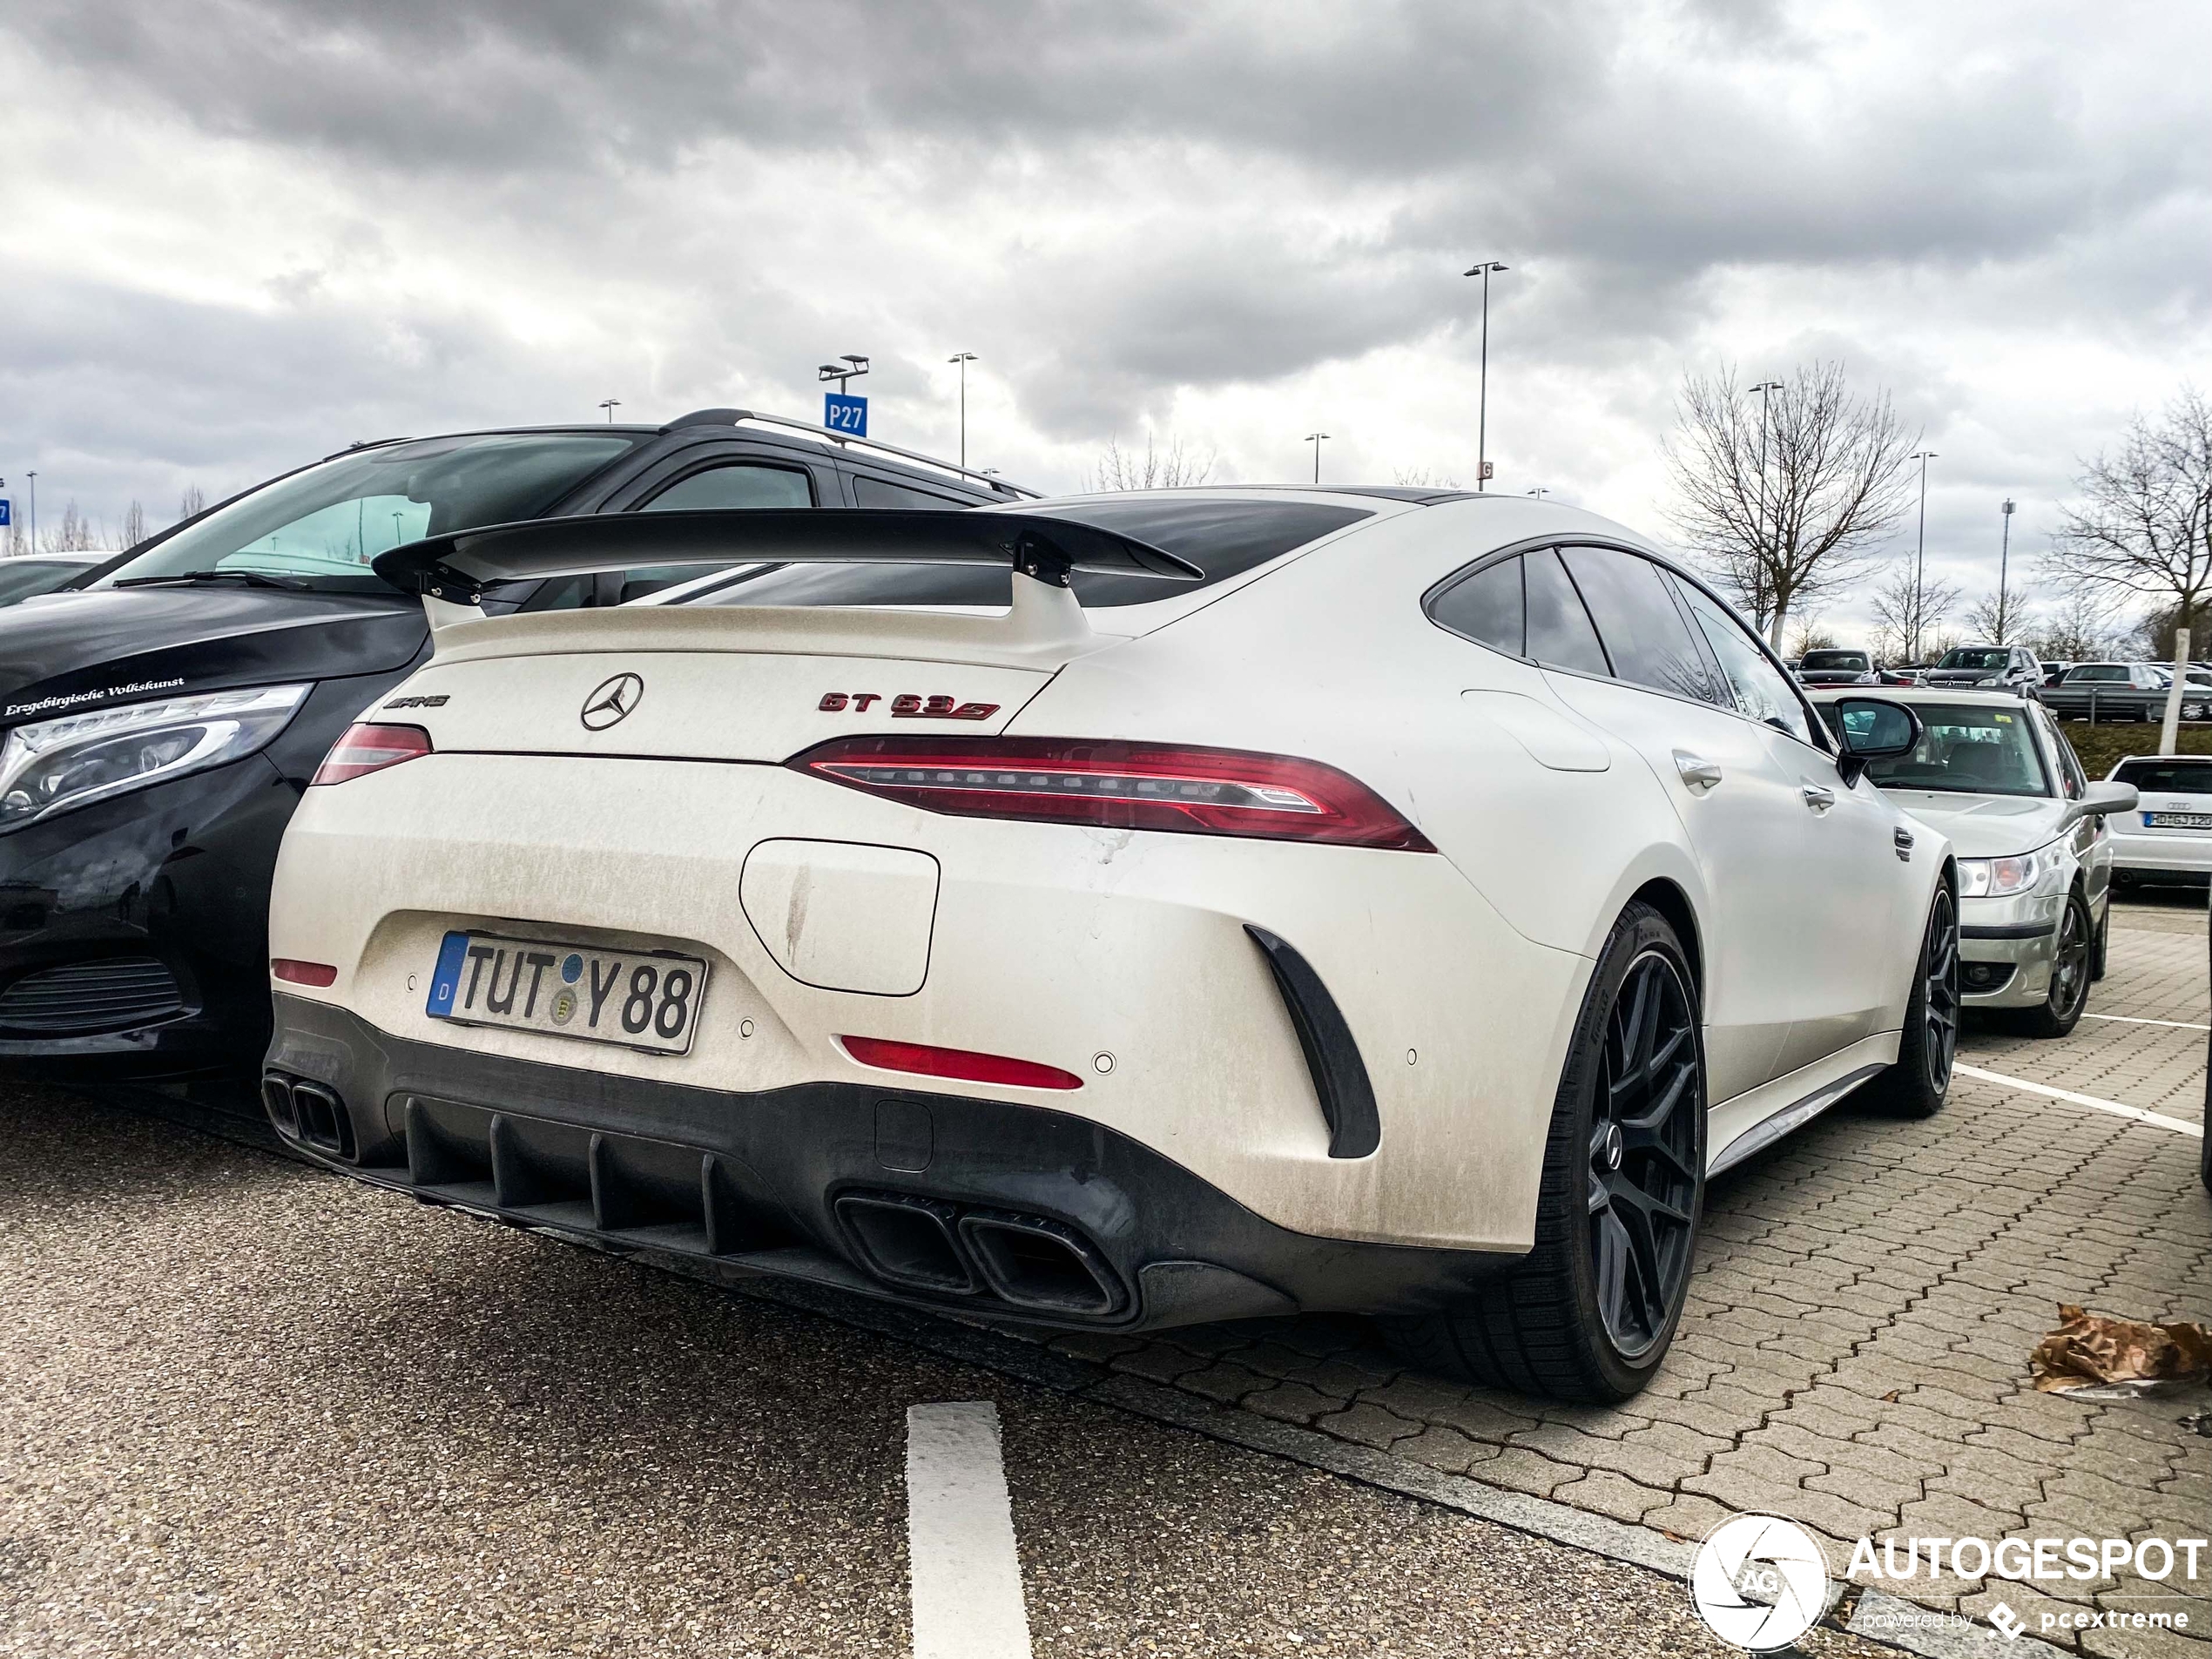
1315,440
1483,379
2004,558
1920,553
34,510
610,404
963,359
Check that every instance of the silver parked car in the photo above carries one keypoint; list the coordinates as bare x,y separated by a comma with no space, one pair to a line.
1994,774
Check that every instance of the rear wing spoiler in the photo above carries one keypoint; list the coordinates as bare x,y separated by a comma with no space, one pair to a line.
456,568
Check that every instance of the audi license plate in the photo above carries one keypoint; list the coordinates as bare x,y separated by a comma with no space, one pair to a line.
639,999
2177,821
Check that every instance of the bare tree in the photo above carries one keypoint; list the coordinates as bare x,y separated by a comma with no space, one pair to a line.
2142,524
74,535
1999,624
1906,611
1785,501
1172,467
1423,478
1812,636
192,503
134,525
2080,629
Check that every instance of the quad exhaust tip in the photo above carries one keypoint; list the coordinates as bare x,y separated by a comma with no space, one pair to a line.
1027,1261
310,1112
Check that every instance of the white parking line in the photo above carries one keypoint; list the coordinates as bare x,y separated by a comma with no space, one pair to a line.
2129,1018
964,1575
2157,1120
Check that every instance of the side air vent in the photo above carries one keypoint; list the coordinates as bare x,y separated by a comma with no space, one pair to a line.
79,998
1331,1053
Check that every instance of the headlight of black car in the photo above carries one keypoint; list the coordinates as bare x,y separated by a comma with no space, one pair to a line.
56,765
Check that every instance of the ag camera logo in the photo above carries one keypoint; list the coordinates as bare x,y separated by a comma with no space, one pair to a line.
1759,1582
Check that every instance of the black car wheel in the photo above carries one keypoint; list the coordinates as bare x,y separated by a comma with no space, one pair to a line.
1916,1085
1588,1313
2073,966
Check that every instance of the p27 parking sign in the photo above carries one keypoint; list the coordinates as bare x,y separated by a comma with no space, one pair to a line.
845,415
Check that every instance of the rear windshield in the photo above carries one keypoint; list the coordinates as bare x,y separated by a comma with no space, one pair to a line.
1223,538
1964,751
1856,661
1967,658
319,527
2166,777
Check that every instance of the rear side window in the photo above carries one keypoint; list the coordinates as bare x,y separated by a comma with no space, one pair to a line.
1559,631
1223,538
879,492
1486,606
2097,674
2164,777
1644,634
1761,690
744,484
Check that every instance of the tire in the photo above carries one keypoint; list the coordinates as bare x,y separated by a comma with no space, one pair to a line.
2071,963
1916,1085
1588,1313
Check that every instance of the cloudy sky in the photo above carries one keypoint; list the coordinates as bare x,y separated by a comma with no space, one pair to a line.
236,233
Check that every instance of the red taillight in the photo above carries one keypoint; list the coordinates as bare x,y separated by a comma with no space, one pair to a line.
300,972
368,747
928,1061
1119,785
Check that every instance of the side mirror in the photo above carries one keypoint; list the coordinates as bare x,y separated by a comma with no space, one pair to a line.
2100,799
1869,728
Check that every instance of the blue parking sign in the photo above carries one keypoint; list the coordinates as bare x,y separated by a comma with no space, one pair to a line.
4,520
845,415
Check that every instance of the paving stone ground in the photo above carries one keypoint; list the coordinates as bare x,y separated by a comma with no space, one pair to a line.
1855,1352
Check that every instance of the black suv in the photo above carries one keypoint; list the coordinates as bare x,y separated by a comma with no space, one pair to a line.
159,718
1989,668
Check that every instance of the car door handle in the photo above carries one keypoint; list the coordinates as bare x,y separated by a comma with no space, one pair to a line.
1819,796
1697,772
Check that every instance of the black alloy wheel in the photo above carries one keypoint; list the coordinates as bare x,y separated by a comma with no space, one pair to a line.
1927,1046
2072,963
1644,1156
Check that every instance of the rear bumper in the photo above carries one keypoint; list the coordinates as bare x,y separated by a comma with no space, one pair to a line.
918,1197
2147,850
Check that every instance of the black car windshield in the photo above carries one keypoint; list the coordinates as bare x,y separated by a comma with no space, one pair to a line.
2167,777
1965,657
1966,751
321,526
1854,662
1223,538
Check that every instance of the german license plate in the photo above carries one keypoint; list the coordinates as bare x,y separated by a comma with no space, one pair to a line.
2177,821
638,999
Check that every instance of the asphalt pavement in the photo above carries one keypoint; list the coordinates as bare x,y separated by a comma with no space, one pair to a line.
249,1409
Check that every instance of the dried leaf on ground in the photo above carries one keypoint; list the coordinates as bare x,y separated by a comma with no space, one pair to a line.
2091,1349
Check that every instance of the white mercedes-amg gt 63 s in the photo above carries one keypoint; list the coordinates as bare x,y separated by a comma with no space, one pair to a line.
1118,912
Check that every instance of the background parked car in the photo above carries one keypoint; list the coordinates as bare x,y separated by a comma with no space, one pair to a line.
2168,838
28,575
1995,775
2196,693
1988,668
2054,672
2108,691
160,725
1837,667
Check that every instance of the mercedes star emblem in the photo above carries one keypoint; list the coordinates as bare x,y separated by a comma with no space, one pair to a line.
612,701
